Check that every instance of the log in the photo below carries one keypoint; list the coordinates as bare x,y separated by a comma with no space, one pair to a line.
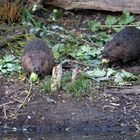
108,5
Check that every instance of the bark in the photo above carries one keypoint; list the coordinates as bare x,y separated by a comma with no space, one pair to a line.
109,5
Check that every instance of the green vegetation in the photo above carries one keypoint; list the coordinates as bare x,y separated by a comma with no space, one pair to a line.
83,48
116,22
110,75
46,86
9,64
81,86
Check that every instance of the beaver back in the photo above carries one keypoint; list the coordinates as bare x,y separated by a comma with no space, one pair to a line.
125,46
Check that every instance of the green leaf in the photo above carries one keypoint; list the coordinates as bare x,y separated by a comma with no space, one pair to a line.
0,67
4,70
118,78
126,18
93,62
110,72
8,58
9,65
94,25
104,36
96,73
55,51
122,78
110,20
13,67
1,62
86,52
128,76
138,24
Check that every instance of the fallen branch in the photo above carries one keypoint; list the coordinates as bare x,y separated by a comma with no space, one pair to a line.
10,38
108,5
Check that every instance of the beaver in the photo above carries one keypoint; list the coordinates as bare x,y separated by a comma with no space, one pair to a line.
124,47
37,57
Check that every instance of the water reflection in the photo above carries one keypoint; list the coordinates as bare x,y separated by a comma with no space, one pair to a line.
67,136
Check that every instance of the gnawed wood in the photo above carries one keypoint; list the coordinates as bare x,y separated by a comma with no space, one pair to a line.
109,5
56,78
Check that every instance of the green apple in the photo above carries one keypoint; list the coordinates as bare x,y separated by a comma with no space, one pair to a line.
33,77
105,61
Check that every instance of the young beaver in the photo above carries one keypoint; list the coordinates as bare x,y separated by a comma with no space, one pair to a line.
37,57
125,46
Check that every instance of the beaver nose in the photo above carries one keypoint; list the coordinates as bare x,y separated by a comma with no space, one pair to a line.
37,70
104,54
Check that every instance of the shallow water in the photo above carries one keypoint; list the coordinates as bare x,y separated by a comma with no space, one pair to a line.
68,136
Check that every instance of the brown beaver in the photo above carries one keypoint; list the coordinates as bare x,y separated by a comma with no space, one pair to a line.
37,57
125,46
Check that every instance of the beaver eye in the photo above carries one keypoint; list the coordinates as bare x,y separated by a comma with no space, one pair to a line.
29,56
117,44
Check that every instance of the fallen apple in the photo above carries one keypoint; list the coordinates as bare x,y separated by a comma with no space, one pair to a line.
105,61
33,77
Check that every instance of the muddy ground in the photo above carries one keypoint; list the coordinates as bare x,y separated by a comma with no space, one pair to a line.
26,107
110,110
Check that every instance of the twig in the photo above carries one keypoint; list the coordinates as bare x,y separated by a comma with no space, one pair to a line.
56,20
79,21
5,112
119,87
91,43
80,63
116,26
4,104
10,117
49,31
23,103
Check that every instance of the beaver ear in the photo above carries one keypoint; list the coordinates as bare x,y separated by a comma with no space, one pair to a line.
29,56
125,59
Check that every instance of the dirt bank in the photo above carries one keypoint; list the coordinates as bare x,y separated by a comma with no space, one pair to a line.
109,110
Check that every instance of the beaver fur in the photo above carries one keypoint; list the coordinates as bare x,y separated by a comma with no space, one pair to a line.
37,57
124,47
